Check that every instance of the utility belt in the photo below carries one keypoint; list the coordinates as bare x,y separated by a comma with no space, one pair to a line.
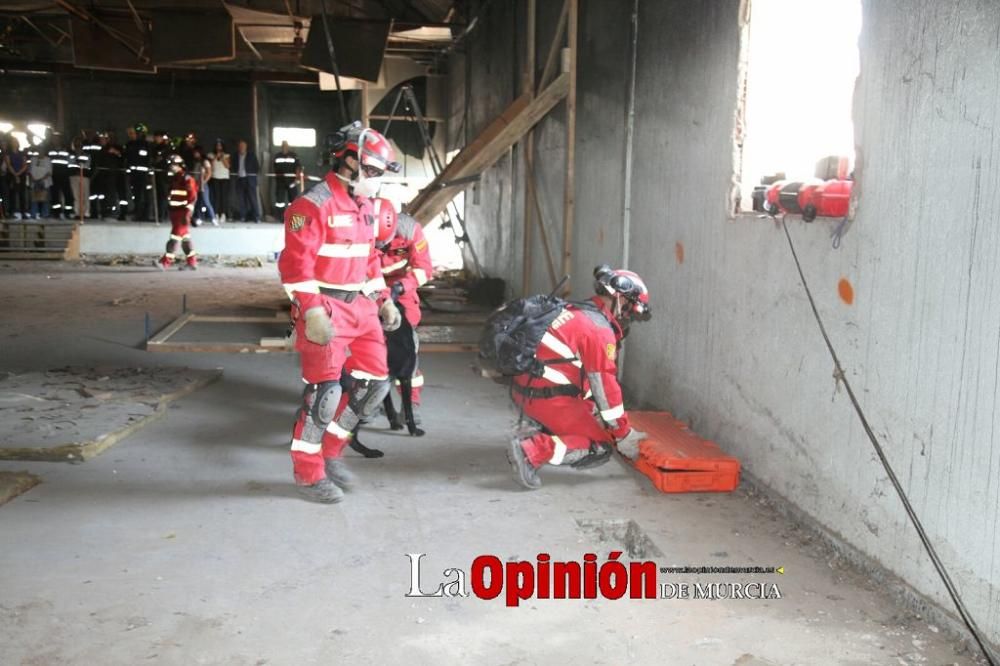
340,294
548,392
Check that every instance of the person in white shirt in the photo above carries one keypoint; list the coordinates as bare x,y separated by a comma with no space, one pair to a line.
219,183
40,173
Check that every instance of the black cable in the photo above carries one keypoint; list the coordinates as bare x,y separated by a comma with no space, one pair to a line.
938,565
336,70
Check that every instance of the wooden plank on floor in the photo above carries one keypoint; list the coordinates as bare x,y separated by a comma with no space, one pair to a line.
170,329
13,484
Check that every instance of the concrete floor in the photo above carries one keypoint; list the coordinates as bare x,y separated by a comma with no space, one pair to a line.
186,543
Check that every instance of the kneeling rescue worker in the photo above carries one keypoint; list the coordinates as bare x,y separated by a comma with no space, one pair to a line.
577,402
332,273
183,193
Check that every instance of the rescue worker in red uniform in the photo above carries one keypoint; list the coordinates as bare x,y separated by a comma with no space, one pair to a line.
577,403
340,305
406,260
183,194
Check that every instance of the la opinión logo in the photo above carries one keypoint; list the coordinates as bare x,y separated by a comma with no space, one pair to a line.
489,577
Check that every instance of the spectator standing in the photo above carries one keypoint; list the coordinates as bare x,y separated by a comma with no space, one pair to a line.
219,184
17,172
61,199
92,150
4,178
246,167
40,173
203,175
161,152
137,160
287,172
79,176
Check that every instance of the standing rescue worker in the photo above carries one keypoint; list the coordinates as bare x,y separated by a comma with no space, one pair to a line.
61,194
137,160
161,173
406,260
577,403
339,303
287,171
182,195
79,179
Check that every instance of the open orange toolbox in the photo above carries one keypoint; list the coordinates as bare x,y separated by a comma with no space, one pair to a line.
679,461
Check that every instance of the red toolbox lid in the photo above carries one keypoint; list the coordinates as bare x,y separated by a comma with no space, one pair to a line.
671,445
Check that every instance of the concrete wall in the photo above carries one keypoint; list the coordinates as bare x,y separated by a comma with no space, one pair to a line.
230,240
734,347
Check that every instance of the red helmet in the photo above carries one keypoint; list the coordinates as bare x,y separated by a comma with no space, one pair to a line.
385,221
377,153
619,282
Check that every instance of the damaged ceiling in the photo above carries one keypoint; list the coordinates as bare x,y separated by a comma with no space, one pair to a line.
272,36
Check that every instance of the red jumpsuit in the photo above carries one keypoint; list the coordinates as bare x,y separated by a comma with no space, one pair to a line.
329,261
407,260
583,342
183,194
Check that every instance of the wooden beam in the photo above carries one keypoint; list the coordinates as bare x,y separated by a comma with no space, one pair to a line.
532,191
488,147
528,147
171,328
555,47
569,193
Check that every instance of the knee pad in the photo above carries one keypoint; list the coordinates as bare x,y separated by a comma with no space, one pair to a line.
364,397
598,454
321,401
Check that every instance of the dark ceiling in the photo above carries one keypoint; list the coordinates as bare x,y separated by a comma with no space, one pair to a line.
263,36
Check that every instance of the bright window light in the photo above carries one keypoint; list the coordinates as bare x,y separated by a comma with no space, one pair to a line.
800,87
6,127
297,137
22,139
38,129
36,140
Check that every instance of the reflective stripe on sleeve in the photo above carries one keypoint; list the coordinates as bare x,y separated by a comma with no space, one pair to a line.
394,267
306,287
421,276
344,250
613,413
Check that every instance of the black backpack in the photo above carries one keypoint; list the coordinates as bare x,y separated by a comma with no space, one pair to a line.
512,334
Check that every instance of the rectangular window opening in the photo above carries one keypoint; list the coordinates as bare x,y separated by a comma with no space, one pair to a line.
297,137
802,63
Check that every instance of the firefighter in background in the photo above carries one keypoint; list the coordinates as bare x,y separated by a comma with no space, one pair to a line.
287,171
406,260
90,156
107,165
182,195
577,403
79,178
60,194
330,270
137,161
161,176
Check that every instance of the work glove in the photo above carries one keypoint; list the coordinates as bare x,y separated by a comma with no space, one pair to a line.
319,328
628,446
389,314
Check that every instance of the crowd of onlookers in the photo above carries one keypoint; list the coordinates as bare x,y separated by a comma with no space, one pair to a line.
95,176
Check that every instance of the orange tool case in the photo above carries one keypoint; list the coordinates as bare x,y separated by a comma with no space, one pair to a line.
678,461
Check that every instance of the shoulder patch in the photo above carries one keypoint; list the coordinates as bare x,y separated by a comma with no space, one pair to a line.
611,350
597,319
406,226
296,221
420,246
319,194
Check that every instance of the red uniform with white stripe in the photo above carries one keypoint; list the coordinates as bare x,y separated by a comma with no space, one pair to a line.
329,261
407,260
183,194
581,346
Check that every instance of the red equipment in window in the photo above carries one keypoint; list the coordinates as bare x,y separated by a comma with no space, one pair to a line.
831,199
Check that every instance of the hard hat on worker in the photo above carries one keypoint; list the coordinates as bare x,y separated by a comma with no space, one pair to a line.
385,221
627,286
